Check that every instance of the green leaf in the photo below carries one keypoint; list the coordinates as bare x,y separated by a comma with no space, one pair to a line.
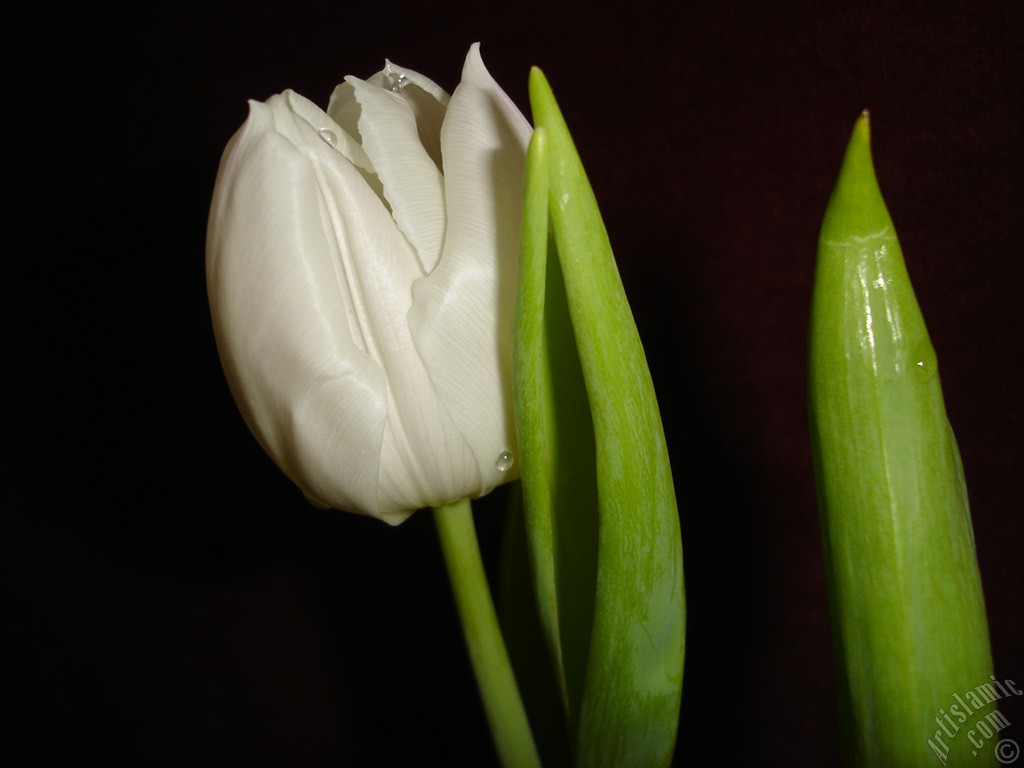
527,646
905,595
601,514
557,443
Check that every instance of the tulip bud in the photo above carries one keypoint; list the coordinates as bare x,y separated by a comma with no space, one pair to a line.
907,609
361,269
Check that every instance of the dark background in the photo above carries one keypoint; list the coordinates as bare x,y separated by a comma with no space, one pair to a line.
174,601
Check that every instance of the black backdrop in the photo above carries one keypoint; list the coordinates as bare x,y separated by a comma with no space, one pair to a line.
174,601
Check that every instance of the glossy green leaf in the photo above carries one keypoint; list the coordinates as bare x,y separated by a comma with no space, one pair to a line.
556,443
905,595
601,514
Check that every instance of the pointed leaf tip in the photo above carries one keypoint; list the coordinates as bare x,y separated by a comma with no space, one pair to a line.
542,101
538,143
538,80
861,135
860,140
856,208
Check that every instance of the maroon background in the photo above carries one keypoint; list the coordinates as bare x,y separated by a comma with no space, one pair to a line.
175,601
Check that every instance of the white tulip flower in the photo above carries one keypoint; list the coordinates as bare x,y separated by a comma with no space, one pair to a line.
361,268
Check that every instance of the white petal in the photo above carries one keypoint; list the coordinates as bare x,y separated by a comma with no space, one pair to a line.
413,184
329,131
428,102
426,98
299,376
462,312
310,289
424,461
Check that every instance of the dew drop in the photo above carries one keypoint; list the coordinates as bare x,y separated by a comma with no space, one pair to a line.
395,81
398,83
505,461
329,136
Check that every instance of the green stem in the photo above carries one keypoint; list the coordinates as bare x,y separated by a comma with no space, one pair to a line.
494,677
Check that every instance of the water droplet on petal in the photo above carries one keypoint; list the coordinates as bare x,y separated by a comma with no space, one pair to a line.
394,81
505,461
329,136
